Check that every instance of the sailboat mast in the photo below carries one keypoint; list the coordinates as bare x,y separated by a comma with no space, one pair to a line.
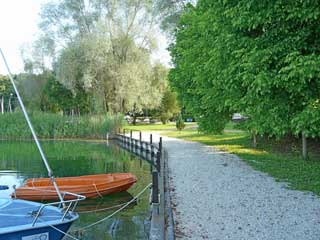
44,159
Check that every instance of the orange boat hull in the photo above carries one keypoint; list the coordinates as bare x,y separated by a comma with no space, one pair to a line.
91,186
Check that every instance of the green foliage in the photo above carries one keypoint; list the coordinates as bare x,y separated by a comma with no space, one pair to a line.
31,87
56,97
170,12
104,49
6,94
5,86
250,57
169,106
180,123
49,125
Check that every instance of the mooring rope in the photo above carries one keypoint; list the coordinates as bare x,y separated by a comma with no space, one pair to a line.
101,220
59,230
95,186
102,209
115,212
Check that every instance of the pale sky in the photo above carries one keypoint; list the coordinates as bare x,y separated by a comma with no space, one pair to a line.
19,25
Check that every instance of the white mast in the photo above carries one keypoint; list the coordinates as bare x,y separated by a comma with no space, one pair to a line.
44,159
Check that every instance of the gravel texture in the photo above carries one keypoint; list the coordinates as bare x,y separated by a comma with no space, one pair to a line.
217,196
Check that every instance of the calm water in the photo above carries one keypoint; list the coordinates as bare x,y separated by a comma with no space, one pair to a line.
20,160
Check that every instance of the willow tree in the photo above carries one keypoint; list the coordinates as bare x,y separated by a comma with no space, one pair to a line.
105,47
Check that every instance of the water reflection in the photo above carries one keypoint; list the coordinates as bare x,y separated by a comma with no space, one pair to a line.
20,160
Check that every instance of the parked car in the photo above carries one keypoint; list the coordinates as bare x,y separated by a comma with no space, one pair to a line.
237,117
128,118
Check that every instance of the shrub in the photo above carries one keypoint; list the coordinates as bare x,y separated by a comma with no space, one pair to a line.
180,123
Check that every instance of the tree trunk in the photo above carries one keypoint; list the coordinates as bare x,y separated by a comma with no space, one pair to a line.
254,139
9,105
106,105
72,114
304,147
134,115
123,105
2,105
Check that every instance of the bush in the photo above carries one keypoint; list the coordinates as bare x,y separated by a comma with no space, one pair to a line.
180,123
49,125
164,117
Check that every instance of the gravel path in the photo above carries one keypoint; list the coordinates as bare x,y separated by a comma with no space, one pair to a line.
217,196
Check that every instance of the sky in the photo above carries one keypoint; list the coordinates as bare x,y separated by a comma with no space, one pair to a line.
19,25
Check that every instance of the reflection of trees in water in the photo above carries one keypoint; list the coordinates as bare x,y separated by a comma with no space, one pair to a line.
80,158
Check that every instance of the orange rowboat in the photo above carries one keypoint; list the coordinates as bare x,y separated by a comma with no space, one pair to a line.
91,186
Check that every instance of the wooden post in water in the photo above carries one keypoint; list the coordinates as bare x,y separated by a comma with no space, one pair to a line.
304,147
155,187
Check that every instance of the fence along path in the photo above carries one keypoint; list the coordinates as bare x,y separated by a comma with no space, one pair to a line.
145,146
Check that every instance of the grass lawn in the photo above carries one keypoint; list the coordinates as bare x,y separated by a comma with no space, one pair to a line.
283,165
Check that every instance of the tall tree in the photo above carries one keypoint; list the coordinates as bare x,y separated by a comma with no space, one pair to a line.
105,47
254,57
169,13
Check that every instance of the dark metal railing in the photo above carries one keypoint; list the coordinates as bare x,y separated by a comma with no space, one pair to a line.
162,225
147,150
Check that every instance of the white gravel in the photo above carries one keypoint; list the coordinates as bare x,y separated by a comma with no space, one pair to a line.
217,196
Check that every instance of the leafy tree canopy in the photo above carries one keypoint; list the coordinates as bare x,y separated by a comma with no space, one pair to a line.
104,47
255,57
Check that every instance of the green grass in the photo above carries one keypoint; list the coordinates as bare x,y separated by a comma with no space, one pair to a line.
283,165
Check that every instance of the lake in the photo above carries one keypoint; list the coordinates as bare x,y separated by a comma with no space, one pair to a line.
20,160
